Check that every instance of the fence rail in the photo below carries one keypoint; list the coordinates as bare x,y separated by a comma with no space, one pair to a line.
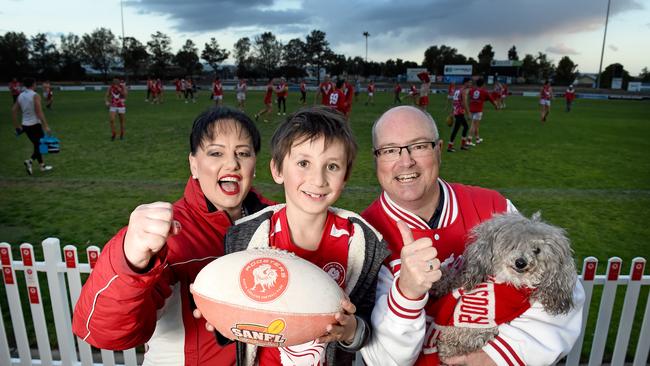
64,285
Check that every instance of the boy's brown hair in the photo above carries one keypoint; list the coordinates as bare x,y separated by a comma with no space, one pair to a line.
309,124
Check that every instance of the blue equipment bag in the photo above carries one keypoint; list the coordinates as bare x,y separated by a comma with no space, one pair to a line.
49,145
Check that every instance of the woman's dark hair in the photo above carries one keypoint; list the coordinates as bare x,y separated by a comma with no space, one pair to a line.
309,124
217,119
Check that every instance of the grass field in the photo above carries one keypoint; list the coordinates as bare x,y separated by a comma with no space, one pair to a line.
587,171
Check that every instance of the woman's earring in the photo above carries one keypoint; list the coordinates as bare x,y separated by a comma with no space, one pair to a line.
254,173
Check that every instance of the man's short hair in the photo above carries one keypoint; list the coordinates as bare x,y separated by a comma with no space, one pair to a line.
310,124
28,82
424,114
339,83
466,80
221,119
480,82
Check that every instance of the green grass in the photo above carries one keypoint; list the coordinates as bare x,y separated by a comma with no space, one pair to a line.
587,171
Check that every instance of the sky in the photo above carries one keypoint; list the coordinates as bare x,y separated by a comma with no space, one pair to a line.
398,29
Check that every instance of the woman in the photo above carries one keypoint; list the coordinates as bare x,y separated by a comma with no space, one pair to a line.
139,290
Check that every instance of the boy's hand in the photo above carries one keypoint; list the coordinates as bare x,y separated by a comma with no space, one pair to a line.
197,315
344,330
149,227
19,130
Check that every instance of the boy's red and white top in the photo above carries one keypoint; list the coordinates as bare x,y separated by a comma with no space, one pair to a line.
403,329
350,251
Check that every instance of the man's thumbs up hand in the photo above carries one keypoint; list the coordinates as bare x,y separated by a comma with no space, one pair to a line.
419,266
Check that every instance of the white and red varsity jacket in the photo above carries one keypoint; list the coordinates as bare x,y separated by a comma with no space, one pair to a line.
403,329
119,309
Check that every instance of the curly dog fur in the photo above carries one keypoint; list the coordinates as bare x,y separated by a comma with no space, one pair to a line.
510,248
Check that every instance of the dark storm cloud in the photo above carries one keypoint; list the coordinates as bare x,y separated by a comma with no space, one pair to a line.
419,20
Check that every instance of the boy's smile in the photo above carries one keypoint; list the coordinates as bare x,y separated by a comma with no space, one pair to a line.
313,176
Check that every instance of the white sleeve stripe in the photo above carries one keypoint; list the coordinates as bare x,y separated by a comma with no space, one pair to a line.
92,309
194,260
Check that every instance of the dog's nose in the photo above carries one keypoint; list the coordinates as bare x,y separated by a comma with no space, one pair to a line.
521,263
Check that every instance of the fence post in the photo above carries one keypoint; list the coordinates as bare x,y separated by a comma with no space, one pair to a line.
15,307
605,312
643,346
36,304
589,266
59,298
5,356
628,311
74,281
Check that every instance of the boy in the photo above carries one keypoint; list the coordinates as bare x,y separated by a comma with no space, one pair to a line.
312,155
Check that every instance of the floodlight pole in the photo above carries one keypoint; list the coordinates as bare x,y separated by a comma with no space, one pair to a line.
602,51
123,40
366,34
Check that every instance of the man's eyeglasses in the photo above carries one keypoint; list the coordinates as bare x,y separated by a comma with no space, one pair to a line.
418,149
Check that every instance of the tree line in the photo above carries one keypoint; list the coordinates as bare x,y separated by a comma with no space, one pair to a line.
259,57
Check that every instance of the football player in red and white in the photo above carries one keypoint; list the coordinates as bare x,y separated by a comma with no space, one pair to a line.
414,94
47,94
569,96
281,92
14,88
179,89
461,109
545,96
242,88
115,98
324,90
303,92
338,99
217,91
425,88
350,93
426,222
371,93
477,96
398,92
268,106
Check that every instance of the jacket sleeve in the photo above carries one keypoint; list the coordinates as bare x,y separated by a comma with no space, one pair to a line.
117,307
536,337
398,325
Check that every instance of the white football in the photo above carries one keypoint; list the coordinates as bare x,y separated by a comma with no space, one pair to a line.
267,297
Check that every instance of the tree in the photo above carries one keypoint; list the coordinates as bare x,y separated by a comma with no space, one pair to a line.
512,53
293,56
14,55
565,73
187,58
44,56
436,58
485,58
241,53
161,54
615,70
530,68
100,50
644,75
268,53
71,57
546,67
317,50
135,56
214,55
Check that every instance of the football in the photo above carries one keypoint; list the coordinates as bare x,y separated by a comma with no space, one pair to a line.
267,297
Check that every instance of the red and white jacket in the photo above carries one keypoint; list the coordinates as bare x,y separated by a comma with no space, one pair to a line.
403,329
120,309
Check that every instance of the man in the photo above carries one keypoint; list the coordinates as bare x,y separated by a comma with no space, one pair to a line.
477,96
33,123
338,99
14,88
425,87
397,91
425,221
545,96
217,91
324,90
569,95
460,108
371,93
114,99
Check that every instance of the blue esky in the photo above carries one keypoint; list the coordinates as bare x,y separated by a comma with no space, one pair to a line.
399,29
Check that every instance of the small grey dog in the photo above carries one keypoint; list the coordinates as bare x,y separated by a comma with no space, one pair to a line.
509,257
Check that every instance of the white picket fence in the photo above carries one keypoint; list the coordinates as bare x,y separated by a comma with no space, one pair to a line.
64,284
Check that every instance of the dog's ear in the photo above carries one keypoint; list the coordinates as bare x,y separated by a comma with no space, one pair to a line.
555,291
479,254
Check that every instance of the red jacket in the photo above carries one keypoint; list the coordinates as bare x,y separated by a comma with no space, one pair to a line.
120,309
